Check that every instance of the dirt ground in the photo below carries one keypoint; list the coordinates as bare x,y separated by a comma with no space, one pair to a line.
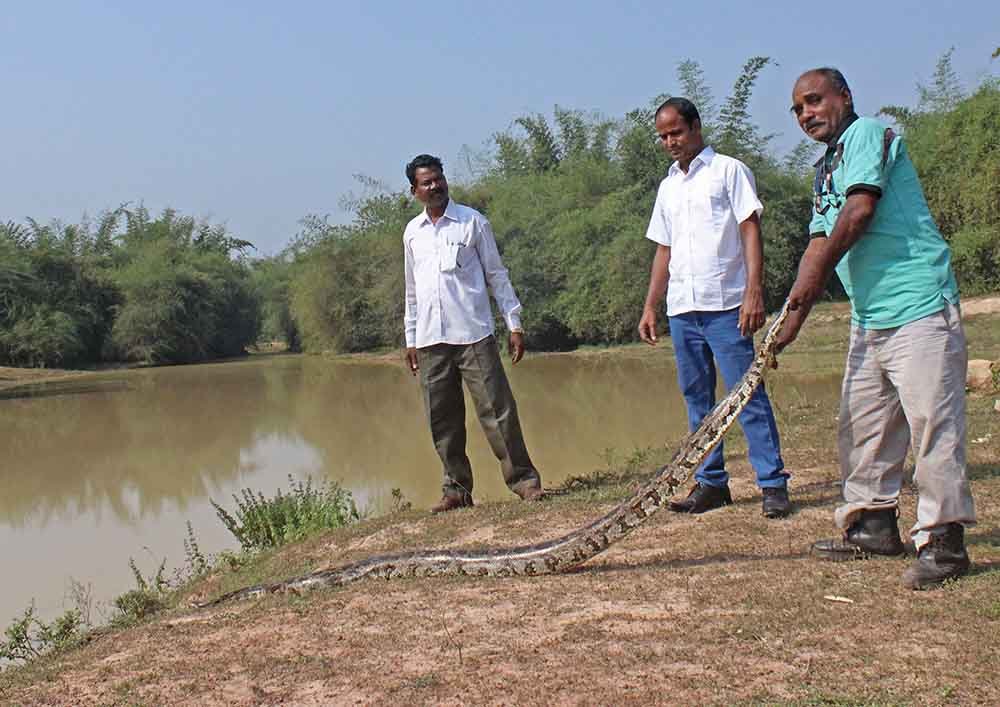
723,608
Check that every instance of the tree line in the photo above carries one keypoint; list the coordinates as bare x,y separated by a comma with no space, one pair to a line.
569,196
126,287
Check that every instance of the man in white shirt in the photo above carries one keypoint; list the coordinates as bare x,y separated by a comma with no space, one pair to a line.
706,223
451,257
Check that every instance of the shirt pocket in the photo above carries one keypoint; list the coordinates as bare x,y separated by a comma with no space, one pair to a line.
455,251
449,261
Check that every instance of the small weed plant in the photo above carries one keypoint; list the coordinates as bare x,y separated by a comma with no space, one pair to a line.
28,637
399,502
197,563
259,523
146,599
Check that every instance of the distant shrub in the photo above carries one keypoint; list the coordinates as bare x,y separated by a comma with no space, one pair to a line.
975,253
44,338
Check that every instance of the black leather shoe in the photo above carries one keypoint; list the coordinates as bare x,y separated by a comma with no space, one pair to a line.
775,503
873,533
943,557
703,498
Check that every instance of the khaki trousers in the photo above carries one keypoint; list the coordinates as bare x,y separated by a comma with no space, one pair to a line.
906,386
443,367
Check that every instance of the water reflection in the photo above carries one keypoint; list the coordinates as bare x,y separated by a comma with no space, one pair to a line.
91,479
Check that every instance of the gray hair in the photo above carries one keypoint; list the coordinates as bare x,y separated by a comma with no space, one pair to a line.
832,75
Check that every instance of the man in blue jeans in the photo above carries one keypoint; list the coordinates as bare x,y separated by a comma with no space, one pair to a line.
709,264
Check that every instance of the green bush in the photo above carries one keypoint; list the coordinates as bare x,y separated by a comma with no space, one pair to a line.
166,289
43,337
146,599
259,523
28,637
975,255
137,604
183,305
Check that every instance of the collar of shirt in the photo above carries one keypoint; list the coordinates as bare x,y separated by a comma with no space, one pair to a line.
847,122
450,212
704,157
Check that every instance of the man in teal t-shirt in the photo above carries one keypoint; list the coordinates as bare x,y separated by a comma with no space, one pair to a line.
906,365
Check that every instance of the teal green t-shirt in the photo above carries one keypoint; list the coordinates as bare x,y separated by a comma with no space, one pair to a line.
900,269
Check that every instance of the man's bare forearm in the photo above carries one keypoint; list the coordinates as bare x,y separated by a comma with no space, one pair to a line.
753,252
659,275
853,221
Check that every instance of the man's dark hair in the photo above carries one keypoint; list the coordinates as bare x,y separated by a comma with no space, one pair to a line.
426,161
685,109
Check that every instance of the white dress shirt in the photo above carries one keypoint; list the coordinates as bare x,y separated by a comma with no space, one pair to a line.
448,267
698,215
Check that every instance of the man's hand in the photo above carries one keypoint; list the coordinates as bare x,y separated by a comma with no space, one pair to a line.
411,360
647,326
809,284
808,287
516,346
790,330
752,311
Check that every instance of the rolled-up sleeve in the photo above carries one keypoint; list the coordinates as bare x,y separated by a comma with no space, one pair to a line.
496,274
410,303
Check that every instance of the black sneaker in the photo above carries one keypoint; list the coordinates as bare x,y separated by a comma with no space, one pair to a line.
775,503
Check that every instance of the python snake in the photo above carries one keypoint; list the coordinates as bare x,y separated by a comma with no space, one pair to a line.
560,554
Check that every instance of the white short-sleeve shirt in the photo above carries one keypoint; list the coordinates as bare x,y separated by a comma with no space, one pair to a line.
450,269
697,215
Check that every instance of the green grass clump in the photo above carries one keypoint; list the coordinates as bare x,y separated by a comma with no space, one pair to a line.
260,523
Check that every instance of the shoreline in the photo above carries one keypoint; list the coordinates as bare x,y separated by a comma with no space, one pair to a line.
823,313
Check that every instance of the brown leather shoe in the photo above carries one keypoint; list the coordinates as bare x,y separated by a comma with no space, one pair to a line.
703,498
535,493
451,501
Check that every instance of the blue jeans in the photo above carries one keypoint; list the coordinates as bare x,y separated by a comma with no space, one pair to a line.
702,341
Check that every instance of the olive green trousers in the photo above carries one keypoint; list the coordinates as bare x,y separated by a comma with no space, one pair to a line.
443,368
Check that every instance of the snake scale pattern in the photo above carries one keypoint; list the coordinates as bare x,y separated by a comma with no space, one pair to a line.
560,554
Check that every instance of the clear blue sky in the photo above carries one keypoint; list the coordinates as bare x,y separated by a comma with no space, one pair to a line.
257,113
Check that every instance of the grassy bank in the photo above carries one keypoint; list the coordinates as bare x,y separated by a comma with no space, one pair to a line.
724,608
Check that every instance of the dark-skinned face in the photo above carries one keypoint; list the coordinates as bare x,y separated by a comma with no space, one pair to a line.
430,187
681,141
819,107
